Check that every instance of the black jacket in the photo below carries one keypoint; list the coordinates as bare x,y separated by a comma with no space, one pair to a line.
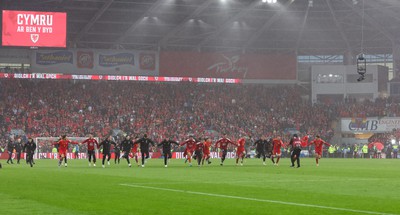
166,144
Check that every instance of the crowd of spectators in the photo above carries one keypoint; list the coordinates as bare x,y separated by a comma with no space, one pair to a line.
44,108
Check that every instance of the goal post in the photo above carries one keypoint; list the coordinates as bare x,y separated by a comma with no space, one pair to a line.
45,148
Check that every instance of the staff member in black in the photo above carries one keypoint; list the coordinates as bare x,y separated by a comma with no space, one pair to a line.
18,149
166,147
30,148
126,146
144,147
295,144
117,153
260,148
10,149
107,149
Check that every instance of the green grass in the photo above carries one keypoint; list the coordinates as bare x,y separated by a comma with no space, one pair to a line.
340,186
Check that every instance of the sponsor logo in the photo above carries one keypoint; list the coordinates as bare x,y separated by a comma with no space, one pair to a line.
85,59
147,61
54,58
229,65
116,59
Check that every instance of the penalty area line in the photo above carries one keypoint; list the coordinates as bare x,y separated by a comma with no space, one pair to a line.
256,200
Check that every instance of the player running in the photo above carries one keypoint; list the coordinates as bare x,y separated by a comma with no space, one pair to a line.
126,146
260,148
107,149
166,145
223,145
190,146
199,151
318,143
206,151
278,144
91,142
240,151
144,147
135,151
63,148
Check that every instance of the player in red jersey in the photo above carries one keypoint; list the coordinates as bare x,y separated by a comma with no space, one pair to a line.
199,147
206,150
63,148
190,146
278,144
223,145
135,151
91,142
240,151
318,143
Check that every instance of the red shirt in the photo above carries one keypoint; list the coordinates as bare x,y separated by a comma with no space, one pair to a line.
223,143
190,144
63,145
318,144
240,145
199,146
277,144
91,142
206,149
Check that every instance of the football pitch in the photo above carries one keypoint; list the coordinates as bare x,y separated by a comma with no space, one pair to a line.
337,186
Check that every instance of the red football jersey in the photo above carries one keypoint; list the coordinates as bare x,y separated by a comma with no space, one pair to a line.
91,142
190,144
223,143
278,144
206,149
241,143
318,144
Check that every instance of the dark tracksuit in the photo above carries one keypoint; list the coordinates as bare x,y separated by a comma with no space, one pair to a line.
144,147
166,144
268,148
18,150
117,153
30,148
10,149
260,148
126,148
107,149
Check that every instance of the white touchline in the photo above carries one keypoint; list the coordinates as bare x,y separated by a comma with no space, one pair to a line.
256,200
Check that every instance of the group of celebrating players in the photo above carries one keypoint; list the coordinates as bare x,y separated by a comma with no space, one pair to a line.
198,149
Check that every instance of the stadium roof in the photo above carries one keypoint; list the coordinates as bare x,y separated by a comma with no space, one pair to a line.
306,26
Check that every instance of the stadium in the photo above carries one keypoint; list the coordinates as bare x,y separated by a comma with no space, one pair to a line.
199,107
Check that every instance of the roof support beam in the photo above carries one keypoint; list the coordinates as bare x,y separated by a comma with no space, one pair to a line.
226,24
341,31
98,14
136,24
267,25
371,21
179,27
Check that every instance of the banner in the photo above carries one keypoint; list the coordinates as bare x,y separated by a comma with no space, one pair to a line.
34,28
220,65
370,124
116,78
53,58
96,62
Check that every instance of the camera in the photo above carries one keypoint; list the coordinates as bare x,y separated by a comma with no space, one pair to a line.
361,66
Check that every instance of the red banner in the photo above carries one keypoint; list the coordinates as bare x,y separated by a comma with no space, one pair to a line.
239,66
117,78
33,28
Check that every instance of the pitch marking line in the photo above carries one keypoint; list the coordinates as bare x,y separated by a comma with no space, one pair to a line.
256,200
